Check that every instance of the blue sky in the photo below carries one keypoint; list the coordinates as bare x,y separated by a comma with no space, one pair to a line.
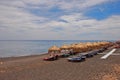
104,11
59,19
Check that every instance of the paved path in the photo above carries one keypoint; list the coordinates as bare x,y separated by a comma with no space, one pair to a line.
108,54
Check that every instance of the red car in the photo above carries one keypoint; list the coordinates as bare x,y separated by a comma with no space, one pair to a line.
51,58
117,46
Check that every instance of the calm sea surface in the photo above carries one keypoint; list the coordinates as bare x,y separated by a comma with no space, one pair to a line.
30,47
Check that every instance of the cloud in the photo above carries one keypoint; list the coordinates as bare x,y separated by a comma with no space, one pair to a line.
13,17
20,20
77,24
79,4
47,4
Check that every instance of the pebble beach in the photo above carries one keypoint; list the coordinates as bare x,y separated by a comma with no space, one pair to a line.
34,68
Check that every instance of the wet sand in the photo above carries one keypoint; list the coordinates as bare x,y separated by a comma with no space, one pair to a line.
34,68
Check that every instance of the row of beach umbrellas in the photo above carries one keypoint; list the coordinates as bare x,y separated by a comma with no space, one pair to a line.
79,47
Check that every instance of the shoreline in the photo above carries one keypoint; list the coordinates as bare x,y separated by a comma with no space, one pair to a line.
22,57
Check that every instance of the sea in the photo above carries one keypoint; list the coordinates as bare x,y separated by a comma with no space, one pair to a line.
15,48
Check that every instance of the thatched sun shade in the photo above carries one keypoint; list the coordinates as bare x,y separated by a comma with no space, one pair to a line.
54,49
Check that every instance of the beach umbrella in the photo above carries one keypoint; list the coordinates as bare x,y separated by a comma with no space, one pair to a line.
85,48
106,44
54,49
79,48
100,44
89,46
103,44
82,47
72,46
65,48
75,48
95,45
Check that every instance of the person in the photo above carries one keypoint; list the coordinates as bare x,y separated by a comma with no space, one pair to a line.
71,51
62,51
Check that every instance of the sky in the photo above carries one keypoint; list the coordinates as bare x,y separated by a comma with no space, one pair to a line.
59,19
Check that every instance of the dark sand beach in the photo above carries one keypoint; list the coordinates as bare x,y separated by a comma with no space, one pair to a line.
34,68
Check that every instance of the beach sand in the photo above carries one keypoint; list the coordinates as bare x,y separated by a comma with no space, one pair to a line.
34,68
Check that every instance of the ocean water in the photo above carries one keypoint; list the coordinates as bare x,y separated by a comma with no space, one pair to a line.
12,48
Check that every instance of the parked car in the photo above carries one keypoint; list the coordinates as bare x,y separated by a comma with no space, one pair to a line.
95,52
117,46
64,55
89,54
77,58
51,58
